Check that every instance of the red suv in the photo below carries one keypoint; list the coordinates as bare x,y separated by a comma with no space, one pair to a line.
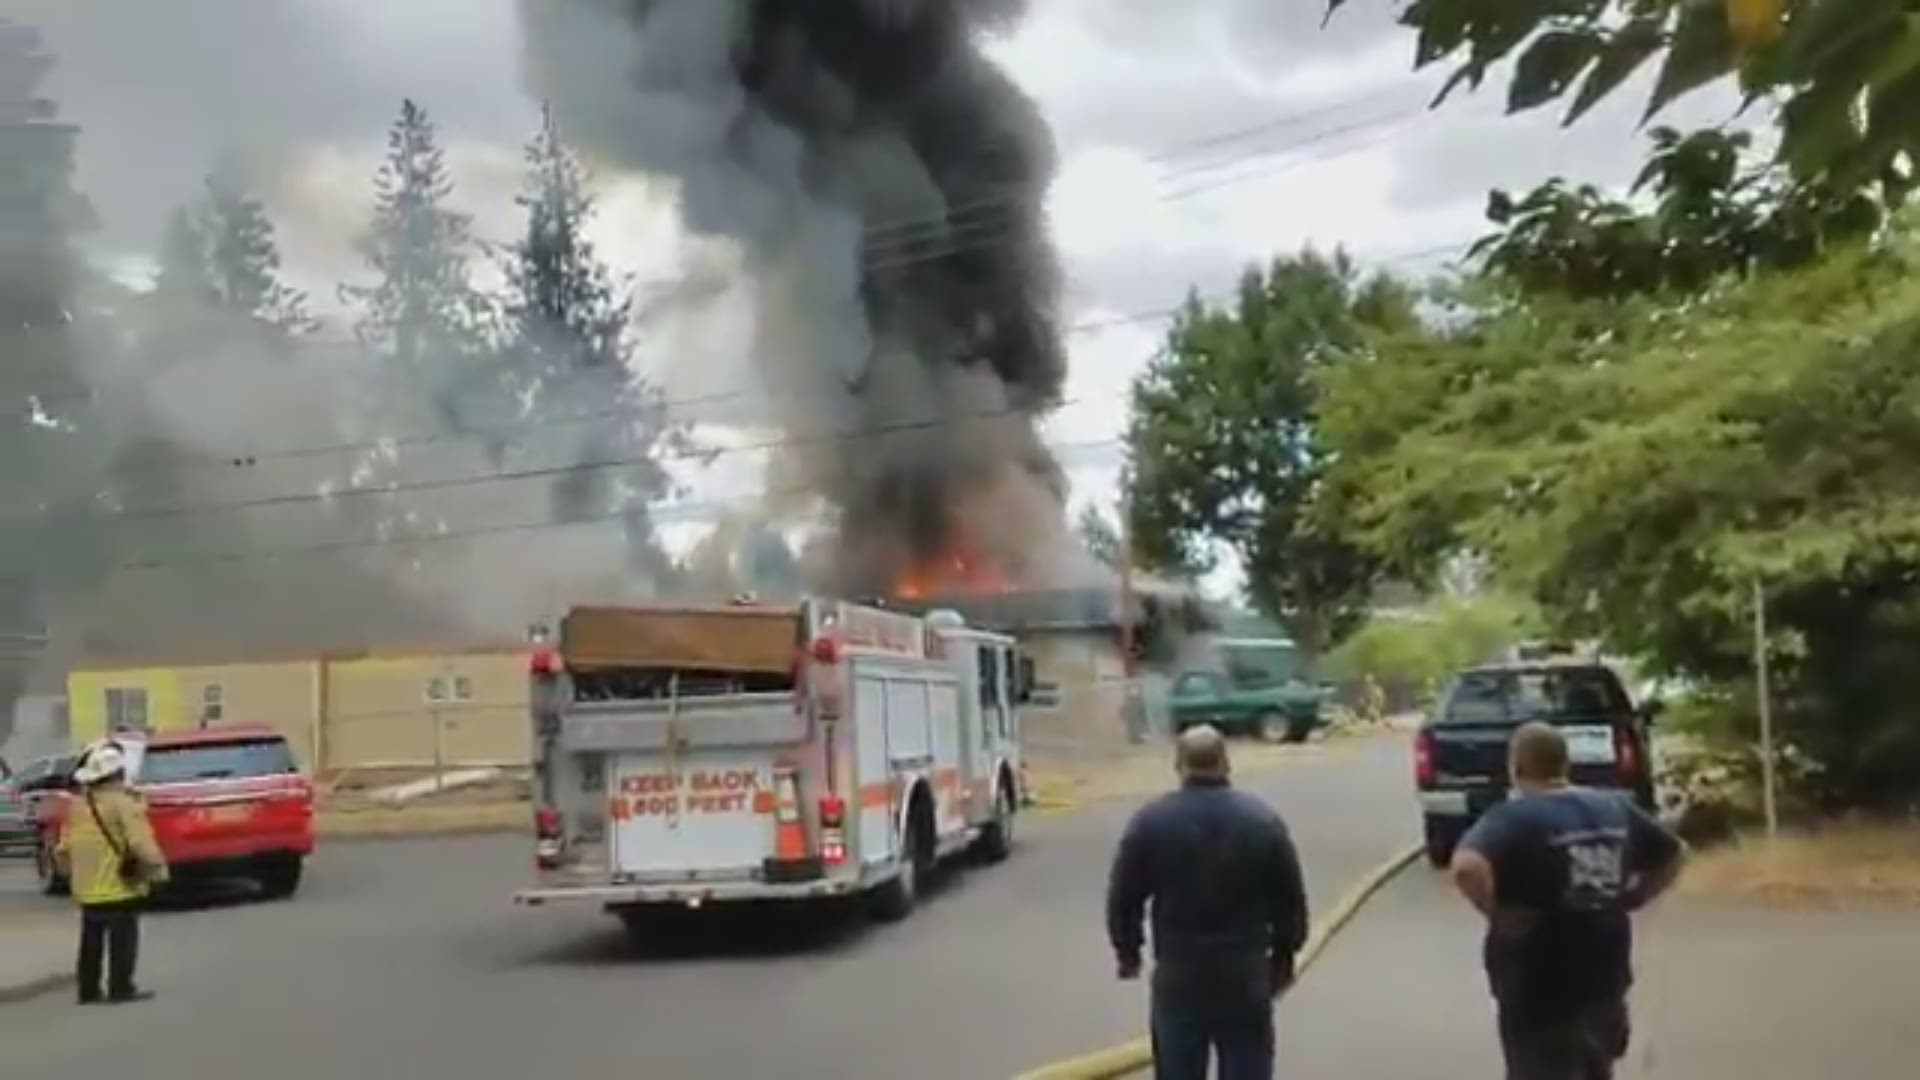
226,801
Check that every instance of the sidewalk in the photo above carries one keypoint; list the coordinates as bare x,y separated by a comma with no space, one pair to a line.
1724,993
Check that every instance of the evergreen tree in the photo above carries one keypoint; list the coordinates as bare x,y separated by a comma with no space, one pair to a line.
568,348
184,274
422,312
42,394
243,258
1099,536
220,257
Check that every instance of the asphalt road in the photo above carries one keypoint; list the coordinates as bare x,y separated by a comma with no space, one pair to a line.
1723,993
406,958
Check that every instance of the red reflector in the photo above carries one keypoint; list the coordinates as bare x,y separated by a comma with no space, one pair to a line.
543,661
1626,753
826,650
1423,770
546,823
833,810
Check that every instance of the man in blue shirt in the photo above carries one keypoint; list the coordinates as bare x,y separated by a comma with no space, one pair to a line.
1558,871
1229,912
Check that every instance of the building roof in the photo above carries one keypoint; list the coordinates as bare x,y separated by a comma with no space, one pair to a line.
1096,608
218,658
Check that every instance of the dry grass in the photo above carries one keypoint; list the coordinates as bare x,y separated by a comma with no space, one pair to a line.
1836,865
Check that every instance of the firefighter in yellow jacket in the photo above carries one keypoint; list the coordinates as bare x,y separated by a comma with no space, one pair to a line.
108,853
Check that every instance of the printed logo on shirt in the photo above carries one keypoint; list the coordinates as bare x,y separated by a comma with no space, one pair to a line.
1596,866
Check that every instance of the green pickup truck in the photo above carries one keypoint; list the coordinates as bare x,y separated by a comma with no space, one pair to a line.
1276,710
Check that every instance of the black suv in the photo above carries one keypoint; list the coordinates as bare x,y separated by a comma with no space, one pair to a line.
1460,753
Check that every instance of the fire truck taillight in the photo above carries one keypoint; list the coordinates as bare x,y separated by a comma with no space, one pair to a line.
543,661
789,832
833,831
549,834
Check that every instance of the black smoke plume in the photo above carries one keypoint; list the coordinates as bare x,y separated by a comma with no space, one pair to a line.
883,185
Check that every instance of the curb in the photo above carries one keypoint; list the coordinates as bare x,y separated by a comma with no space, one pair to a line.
1132,1057
33,988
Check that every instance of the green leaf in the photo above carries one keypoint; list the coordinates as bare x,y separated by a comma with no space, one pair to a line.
1702,51
1622,57
1901,56
1816,127
1549,66
1821,28
1467,72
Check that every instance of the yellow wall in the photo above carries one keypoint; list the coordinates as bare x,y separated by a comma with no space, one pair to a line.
363,712
282,695
379,713
87,700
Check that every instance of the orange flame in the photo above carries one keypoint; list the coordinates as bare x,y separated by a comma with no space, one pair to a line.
952,573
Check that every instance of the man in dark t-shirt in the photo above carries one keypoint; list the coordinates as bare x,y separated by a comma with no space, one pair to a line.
1558,871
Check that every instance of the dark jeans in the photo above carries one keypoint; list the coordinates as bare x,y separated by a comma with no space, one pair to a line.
1582,1045
112,932
1198,1014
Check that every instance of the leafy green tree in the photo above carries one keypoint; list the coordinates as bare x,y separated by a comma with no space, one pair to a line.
1847,72
1714,209
568,350
1636,466
1226,447
1420,652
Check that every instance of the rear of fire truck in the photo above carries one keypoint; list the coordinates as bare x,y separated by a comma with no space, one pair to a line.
680,759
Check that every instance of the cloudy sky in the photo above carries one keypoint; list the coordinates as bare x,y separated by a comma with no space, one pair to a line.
1195,137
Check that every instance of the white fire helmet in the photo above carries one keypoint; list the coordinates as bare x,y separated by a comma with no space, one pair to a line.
102,761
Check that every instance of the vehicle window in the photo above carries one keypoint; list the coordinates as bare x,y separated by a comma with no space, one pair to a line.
1009,668
216,761
1259,665
1482,697
1194,684
989,676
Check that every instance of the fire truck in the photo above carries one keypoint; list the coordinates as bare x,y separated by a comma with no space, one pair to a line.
688,756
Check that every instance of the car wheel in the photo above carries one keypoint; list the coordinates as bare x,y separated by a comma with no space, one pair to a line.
1299,728
279,879
1442,836
1273,727
51,883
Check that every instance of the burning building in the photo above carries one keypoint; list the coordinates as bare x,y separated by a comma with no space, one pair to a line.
880,183
1078,639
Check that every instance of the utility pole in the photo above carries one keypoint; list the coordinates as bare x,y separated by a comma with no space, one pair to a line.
1131,706
1762,686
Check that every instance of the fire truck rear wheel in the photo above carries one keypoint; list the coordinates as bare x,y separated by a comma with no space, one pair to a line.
896,899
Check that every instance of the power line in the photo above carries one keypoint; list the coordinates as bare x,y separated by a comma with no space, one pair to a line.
448,535
1012,194
630,461
548,471
656,515
954,234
